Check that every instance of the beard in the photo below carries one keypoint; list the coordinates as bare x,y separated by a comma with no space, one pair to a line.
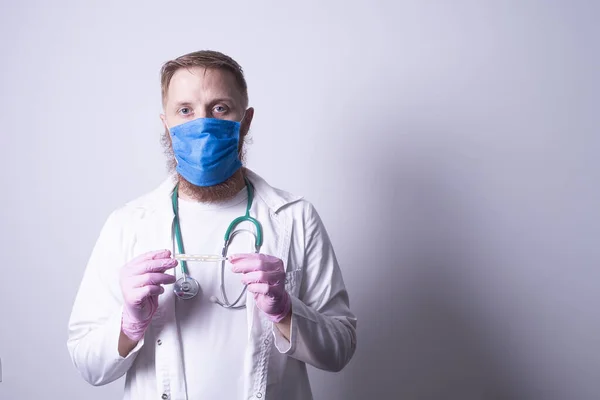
206,194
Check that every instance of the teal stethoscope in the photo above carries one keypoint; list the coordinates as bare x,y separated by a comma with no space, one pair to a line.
187,287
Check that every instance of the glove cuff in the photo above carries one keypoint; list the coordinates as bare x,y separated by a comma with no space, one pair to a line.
134,330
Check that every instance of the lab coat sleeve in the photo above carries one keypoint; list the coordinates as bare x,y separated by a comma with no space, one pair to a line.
95,321
323,329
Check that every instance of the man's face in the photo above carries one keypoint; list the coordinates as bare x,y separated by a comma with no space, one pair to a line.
204,93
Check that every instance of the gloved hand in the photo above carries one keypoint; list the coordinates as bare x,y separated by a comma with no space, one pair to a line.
141,280
265,277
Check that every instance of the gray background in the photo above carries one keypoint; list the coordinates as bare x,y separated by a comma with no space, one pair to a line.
451,148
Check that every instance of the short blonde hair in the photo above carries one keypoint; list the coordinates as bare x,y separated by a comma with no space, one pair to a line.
208,59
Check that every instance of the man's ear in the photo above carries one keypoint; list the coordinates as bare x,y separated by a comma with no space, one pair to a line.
164,121
246,122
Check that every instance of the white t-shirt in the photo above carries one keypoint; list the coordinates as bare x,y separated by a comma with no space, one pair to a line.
207,328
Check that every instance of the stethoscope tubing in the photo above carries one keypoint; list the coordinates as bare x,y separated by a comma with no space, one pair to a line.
187,287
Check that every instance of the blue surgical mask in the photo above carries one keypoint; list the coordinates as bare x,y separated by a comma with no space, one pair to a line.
206,150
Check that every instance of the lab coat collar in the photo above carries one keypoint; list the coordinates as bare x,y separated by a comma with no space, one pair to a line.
276,199
160,198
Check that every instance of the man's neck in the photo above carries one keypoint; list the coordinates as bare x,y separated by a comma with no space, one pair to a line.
212,194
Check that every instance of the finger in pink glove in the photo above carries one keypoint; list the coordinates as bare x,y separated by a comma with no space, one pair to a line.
265,277
141,283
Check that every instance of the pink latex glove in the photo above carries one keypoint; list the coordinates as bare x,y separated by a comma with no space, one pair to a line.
141,280
265,277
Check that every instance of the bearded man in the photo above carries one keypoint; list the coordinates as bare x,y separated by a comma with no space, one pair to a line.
185,314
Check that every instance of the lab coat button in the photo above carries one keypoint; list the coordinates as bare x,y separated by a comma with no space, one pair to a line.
258,395
164,396
159,342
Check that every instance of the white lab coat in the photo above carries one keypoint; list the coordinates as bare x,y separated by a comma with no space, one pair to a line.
322,329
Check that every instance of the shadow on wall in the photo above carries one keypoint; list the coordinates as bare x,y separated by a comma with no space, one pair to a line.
419,335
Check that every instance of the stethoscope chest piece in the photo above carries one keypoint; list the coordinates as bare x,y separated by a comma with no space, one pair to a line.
186,287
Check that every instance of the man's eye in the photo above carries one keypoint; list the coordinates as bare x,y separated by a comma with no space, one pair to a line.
220,109
185,111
